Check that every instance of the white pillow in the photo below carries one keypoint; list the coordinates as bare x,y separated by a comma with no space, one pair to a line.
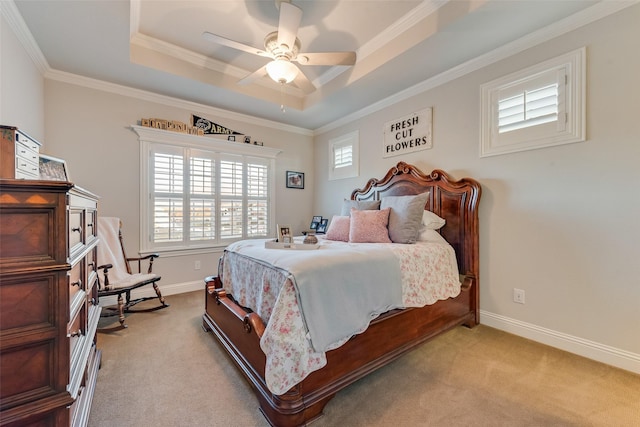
432,221
427,235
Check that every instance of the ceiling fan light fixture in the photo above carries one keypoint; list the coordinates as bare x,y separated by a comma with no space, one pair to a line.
282,71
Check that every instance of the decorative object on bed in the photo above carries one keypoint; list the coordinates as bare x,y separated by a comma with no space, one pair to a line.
293,245
310,239
295,179
369,226
293,381
339,228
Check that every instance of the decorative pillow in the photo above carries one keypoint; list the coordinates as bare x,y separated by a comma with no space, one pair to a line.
339,228
361,205
428,235
369,226
405,218
432,221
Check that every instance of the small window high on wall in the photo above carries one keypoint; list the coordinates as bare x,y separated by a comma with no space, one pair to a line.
538,107
343,156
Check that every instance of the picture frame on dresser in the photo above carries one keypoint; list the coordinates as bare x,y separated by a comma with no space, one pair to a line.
53,169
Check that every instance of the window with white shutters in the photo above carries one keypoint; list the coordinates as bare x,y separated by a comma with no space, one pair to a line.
343,155
199,198
534,108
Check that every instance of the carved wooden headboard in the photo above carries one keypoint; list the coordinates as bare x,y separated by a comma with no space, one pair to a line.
454,200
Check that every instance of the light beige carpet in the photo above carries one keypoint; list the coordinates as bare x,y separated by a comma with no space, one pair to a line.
164,370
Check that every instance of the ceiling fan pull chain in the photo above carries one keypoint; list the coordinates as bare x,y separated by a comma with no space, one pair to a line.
282,98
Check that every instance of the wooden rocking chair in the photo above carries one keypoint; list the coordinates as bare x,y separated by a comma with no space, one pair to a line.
115,276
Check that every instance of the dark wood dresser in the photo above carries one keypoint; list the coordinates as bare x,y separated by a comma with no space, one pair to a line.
48,303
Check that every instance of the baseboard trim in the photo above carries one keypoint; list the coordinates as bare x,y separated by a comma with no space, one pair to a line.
592,350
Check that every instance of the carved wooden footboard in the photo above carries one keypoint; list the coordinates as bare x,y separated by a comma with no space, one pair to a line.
390,335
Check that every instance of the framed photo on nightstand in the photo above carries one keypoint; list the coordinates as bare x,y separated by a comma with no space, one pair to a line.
284,234
322,227
315,222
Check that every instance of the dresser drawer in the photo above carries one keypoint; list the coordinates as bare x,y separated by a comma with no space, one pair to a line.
26,370
76,281
27,167
27,161
28,152
27,303
76,230
91,220
77,331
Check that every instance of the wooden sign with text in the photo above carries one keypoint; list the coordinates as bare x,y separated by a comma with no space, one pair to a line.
408,134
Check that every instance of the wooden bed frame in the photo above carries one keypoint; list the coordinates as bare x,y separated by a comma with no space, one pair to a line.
390,335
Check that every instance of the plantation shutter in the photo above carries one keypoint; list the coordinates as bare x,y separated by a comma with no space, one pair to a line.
167,195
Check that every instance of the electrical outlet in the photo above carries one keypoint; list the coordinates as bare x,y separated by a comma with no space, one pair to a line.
196,265
518,295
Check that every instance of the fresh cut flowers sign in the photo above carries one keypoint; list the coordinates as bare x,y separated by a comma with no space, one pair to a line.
408,134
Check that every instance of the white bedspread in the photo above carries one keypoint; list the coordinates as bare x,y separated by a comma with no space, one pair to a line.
340,288
428,273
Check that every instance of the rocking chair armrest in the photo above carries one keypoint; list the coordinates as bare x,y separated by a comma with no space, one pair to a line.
139,260
106,268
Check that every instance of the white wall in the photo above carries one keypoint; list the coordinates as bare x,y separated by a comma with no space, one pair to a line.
560,223
21,83
90,129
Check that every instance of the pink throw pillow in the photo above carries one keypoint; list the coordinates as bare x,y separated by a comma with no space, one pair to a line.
369,226
338,228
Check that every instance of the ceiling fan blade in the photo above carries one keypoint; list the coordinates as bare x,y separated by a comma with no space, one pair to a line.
290,17
234,44
253,76
326,58
302,82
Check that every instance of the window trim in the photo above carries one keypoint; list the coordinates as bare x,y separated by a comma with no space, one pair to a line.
571,107
148,136
352,139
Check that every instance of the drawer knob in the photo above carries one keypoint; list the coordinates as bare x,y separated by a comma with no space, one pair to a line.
78,283
77,333
76,229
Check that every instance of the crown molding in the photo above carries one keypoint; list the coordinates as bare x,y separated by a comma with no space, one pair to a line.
144,95
594,13
12,15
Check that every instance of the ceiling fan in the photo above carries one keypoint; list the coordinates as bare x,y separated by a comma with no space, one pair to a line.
283,47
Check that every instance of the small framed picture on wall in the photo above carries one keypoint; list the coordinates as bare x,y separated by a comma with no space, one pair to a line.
295,179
